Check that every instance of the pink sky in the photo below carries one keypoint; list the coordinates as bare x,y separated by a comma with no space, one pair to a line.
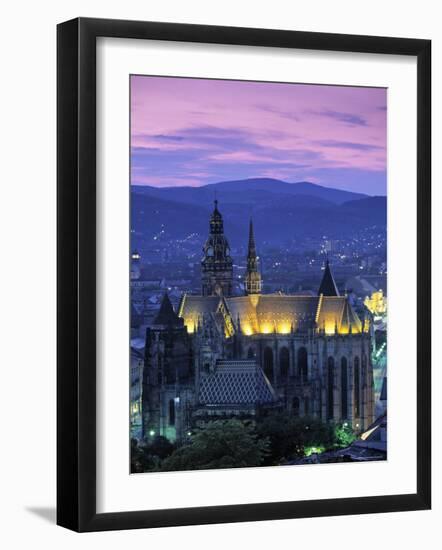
197,131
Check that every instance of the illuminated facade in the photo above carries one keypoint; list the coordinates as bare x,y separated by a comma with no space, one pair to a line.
376,304
313,351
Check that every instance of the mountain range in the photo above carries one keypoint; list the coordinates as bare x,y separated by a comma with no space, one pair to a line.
281,211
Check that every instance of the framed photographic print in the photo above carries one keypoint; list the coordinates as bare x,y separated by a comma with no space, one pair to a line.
243,274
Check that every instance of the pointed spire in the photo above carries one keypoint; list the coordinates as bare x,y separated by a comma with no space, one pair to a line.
328,286
216,220
252,246
253,280
166,315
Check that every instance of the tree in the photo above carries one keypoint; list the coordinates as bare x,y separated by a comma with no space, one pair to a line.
290,437
344,435
147,457
161,447
219,444
140,461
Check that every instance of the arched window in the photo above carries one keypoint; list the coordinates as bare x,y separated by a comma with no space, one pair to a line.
268,363
330,384
302,364
357,388
284,362
344,389
295,406
306,406
171,412
250,354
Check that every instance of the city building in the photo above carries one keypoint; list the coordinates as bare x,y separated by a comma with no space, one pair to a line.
136,386
377,304
223,354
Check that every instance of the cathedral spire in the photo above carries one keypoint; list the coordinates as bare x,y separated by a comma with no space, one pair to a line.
253,281
252,246
217,264
328,286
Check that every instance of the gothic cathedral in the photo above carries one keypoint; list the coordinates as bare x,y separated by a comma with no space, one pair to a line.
246,355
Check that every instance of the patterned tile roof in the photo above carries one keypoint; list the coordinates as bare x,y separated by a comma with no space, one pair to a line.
236,383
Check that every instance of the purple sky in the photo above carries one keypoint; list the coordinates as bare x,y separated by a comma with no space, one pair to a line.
192,132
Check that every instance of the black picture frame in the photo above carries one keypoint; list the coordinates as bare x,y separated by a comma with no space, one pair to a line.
76,272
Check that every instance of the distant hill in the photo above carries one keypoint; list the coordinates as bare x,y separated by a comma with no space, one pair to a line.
337,196
248,190
279,215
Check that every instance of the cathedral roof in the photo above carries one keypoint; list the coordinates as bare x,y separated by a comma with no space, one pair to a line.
166,314
267,313
328,286
193,308
236,383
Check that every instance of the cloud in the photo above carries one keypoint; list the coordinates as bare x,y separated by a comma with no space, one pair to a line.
280,112
347,118
333,143
162,137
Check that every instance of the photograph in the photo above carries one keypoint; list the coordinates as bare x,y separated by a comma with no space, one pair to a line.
258,274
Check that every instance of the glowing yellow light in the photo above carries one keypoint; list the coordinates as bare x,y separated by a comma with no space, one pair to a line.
376,303
367,433
266,328
247,329
190,325
284,328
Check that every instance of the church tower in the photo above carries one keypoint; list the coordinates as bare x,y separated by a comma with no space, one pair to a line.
253,281
217,265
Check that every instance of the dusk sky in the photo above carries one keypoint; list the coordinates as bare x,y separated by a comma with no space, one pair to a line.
193,132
